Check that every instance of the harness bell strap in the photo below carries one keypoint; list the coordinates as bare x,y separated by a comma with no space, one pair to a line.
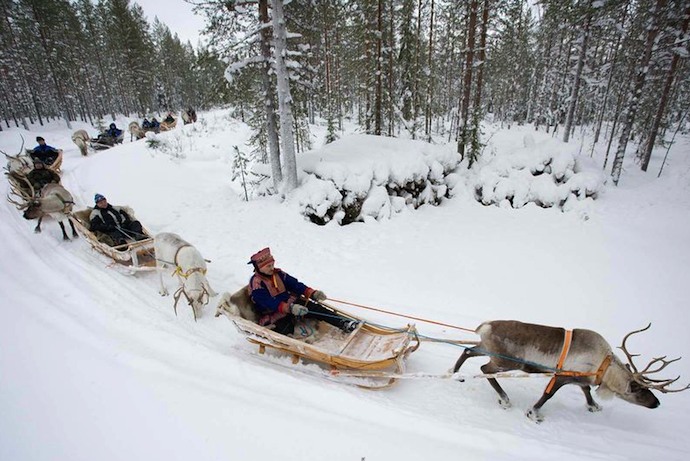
564,353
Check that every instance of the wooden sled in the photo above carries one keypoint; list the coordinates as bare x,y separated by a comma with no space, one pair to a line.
167,126
135,255
55,166
106,142
367,349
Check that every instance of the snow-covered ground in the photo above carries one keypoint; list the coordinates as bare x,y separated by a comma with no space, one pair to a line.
95,365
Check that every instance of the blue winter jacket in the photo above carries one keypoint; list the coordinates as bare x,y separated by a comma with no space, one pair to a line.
45,153
113,132
275,293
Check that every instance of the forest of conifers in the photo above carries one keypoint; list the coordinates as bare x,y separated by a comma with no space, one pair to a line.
429,69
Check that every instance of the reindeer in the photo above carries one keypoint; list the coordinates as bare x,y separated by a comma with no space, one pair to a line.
580,357
189,116
189,267
54,201
81,138
135,131
17,165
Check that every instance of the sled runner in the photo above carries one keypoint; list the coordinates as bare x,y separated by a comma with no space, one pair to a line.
167,126
367,349
134,255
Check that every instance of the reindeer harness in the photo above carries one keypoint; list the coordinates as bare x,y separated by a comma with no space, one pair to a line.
599,374
185,275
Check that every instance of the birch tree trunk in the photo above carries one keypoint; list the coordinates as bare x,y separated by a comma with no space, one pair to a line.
467,85
578,74
664,98
378,102
612,70
652,34
269,97
430,76
284,97
417,67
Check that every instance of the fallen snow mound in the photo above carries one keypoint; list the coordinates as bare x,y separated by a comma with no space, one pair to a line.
543,173
363,177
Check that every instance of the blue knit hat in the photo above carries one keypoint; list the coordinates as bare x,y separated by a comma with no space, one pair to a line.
97,198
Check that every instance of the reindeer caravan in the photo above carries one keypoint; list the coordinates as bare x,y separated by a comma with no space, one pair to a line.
353,349
137,131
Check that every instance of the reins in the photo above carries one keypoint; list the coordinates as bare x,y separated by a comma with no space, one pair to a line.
402,315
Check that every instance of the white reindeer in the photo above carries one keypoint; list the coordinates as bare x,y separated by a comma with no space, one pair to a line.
81,138
188,266
135,131
17,165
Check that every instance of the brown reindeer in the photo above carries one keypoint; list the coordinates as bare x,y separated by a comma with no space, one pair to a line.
54,201
81,138
580,357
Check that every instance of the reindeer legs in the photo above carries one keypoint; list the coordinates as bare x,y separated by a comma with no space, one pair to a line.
467,353
74,231
163,290
533,413
503,400
62,228
37,229
560,381
592,406
488,368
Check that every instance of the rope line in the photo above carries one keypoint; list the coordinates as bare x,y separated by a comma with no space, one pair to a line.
401,315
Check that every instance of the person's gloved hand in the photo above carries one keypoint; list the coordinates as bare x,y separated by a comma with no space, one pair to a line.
319,295
298,310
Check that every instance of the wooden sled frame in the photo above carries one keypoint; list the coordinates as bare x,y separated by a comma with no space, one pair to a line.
55,166
368,348
135,256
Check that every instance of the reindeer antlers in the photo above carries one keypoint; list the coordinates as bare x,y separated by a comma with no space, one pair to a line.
655,365
24,196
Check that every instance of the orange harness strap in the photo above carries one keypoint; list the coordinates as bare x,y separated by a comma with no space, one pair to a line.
602,369
564,353
599,375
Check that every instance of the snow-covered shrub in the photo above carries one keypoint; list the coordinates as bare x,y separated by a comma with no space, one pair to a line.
543,174
361,177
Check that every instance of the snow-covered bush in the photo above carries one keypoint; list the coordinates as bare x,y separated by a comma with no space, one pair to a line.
543,174
361,177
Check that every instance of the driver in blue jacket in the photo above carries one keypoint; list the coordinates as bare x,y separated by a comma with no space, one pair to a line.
281,298
43,152
113,131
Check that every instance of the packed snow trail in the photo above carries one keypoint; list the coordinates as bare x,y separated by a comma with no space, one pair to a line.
95,365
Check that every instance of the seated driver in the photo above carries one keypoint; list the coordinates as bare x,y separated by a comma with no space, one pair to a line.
281,298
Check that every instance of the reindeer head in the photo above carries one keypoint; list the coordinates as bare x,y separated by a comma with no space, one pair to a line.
635,386
17,164
33,210
194,287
